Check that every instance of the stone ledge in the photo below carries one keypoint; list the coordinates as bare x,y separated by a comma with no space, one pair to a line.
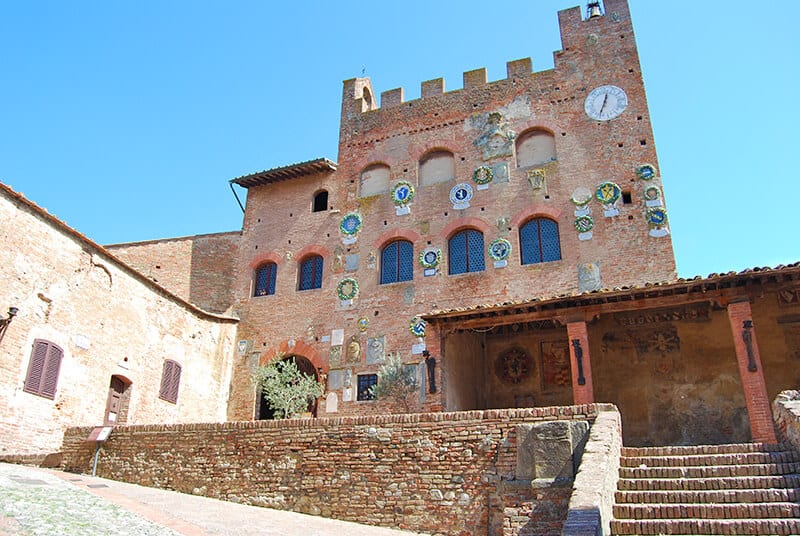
591,503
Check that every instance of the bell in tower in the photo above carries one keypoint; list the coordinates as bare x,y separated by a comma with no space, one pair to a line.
593,10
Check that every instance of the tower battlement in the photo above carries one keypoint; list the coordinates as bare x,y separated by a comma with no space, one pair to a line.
587,44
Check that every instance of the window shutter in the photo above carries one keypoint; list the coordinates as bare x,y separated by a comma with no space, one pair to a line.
175,382
170,381
43,369
166,374
51,369
36,367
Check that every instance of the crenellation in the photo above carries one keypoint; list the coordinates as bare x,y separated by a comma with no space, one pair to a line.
519,68
475,78
431,88
392,97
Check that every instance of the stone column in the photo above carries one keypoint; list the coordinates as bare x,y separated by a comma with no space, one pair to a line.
752,373
582,392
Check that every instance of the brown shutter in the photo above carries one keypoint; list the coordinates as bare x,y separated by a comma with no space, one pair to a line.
175,383
36,366
170,381
51,369
165,378
43,369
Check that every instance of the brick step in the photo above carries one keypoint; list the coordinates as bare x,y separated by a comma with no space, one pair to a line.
689,450
707,511
706,526
724,483
724,496
738,458
712,471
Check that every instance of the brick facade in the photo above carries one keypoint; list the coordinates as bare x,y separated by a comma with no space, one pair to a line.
445,473
200,269
482,126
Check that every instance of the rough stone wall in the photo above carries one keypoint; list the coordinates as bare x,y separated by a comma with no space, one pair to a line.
786,412
108,320
444,473
279,224
592,502
201,269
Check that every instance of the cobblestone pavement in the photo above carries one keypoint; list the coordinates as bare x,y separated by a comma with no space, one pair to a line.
41,502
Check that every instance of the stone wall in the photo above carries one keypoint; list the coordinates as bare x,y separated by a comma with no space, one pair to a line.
109,321
592,501
499,472
786,412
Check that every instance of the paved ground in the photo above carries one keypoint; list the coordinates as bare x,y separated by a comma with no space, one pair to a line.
41,502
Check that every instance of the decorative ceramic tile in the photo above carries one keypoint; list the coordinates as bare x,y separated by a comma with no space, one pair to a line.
461,195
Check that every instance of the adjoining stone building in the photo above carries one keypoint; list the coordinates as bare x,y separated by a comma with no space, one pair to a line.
94,342
515,230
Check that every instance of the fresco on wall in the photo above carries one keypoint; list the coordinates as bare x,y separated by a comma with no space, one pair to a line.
555,364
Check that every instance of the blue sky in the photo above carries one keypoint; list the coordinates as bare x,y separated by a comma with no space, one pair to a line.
127,119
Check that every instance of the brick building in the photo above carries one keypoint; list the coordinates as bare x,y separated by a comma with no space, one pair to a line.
516,231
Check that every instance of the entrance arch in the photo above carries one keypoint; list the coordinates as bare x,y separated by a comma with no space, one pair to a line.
119,396
263,409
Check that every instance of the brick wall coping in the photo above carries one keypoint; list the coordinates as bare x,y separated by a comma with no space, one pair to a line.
99,250
786,411
592,501
583,411
171,239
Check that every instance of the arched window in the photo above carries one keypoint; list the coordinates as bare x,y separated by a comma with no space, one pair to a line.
535,147
320,201
310,273
436,167
538,240
397,262
265,279
466,252
374,180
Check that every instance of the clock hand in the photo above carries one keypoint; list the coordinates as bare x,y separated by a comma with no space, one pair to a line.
605,99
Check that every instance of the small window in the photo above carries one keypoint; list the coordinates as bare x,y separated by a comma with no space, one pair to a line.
43,369
466,252
365,383
535,147
539,242
265,279
170,381
436,167
321,201
397,262
310,273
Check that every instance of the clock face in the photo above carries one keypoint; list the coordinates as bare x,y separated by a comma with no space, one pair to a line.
605,103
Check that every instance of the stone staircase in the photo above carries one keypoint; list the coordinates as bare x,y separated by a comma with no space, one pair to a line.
751,488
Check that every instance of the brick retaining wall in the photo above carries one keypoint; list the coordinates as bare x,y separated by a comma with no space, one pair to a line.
446,473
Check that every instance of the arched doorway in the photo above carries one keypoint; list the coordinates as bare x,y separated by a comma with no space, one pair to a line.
263,409
119,396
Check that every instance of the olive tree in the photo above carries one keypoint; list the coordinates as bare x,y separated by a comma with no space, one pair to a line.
286,388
